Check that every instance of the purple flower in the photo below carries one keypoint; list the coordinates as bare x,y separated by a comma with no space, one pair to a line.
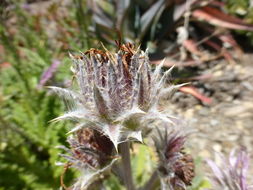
49,73
176,168
232,173
118,93
26,6
116,97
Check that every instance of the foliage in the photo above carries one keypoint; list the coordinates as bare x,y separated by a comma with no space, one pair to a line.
178,30
31,42
242,9
186,33
114,104
28,139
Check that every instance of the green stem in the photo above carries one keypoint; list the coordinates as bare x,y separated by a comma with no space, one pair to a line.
124,149
152,182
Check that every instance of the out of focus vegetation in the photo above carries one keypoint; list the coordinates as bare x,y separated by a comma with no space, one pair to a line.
35,34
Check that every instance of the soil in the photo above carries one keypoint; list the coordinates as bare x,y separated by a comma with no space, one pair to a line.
226,123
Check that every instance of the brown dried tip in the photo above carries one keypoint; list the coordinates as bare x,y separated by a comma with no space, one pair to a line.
178,167
103,57
127,49
185,169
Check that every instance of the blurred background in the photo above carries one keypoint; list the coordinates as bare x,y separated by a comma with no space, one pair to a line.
210,42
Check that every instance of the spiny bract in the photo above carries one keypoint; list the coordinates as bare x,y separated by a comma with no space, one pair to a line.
118,93
116,100
176,168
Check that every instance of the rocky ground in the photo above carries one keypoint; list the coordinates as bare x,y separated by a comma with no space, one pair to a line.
227,123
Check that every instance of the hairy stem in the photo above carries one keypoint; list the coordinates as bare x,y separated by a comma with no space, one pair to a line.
124,150
118,171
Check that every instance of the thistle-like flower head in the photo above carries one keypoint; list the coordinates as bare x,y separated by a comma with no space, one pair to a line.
232,174
115,100
176,168
117,94
91,153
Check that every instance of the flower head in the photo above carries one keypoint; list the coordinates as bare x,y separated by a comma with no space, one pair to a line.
49,73
115,100
176,168
91,152
117,93
231,175
91,148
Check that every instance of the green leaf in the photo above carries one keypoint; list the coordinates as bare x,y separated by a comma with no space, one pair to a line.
142,164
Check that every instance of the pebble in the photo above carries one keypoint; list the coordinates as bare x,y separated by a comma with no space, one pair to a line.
217,147
214,122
